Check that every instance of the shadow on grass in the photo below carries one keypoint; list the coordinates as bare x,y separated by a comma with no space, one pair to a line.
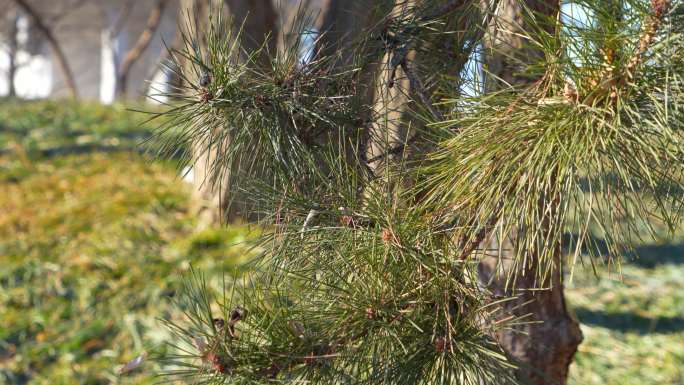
644,256
650,256
630,322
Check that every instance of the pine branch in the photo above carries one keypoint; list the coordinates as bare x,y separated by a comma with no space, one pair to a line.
613,81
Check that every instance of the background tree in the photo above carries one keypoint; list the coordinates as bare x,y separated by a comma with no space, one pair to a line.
382,213
10,32
133,54
210,182
61,59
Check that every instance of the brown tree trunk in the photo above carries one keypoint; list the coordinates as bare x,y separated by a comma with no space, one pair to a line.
193,20
390,101
139,47
214,201
62,61
260,26
543,348
339,23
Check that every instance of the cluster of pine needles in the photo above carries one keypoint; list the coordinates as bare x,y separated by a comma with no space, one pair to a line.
365,284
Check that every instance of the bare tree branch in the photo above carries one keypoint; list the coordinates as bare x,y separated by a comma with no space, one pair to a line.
54,45
140,46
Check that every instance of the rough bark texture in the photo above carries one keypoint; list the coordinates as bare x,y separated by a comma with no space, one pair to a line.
340,22
406,74
545,349
390,100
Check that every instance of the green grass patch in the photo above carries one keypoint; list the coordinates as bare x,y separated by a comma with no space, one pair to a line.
633,324
93,246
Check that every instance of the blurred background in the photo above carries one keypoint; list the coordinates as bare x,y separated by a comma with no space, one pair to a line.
96,233
64,47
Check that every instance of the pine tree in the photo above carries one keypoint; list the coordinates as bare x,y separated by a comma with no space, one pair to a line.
413,209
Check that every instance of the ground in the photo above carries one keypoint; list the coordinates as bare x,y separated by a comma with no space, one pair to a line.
95,239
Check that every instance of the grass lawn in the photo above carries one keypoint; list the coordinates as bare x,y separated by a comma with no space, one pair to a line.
95,239
634,326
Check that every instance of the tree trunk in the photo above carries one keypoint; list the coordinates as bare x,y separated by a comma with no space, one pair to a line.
260,26
62,61
543,349
13,48
213,199
339,23
390,100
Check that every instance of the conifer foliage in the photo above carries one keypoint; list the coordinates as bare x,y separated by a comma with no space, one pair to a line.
368,270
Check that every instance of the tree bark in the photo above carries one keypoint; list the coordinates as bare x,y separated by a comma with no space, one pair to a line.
214,201
139,47
545,348
62,61
390,100
260,26
339,23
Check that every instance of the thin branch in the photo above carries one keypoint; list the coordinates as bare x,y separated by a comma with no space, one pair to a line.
140,46
606,83
54,44
13,48
468,246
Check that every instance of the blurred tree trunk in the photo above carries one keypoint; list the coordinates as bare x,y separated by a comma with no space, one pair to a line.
544,349
340,22
13,49
260,28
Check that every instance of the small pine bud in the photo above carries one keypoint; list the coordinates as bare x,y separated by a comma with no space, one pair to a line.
370,313
206,96
570,92
440,344
347,220
205,79
217,362
659,7
237,314
310,358
219,323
